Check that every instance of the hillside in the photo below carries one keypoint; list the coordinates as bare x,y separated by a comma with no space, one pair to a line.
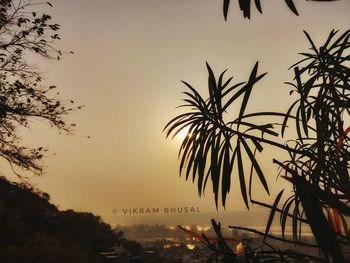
34,230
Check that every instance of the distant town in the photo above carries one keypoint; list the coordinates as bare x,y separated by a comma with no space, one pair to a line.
170,244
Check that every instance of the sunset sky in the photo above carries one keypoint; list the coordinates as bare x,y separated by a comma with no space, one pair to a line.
130,56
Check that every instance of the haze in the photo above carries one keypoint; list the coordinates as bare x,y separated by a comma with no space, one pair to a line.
130,56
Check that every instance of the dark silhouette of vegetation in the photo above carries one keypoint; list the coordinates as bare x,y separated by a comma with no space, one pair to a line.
26,34
34,230
148,231
318,164
133,247
245,6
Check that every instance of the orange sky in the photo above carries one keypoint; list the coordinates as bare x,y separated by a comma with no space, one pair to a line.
130,56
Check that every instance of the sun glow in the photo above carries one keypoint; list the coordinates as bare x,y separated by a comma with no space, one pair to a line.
183,134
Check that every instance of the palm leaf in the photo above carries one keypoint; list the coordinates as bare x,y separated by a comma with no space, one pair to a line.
272,214
292,7
225,8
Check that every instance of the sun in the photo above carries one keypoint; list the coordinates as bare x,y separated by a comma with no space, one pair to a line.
183,134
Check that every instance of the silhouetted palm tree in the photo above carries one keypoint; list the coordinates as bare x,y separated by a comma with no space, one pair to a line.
318,164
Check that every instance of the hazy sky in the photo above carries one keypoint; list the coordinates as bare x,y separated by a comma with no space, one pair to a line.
130,56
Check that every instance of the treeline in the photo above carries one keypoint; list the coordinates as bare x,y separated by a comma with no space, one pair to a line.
145,231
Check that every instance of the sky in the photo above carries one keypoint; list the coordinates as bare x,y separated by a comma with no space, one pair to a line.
129,58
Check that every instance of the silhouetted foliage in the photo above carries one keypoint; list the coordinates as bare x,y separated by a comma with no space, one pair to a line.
214,139
318,167
34,230
26,34
133,247
245,6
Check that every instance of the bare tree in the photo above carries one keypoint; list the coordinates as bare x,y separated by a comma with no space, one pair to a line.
25,33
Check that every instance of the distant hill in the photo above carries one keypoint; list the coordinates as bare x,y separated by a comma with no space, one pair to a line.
34,230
